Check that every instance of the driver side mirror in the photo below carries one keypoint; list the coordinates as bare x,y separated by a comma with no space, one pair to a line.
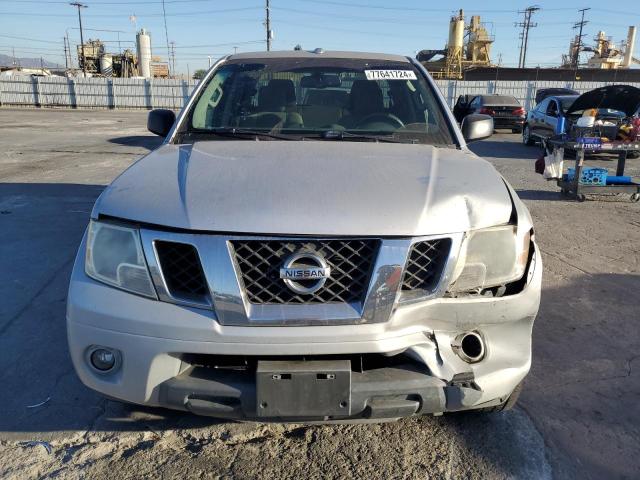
160,121
476,127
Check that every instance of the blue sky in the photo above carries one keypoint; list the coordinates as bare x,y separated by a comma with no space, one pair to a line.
212,27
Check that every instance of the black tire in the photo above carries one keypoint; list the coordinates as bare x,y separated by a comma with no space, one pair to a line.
526,137
516,130
633,154
581,197
508,405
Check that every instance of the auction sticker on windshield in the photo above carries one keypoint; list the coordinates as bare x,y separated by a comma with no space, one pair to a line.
390,74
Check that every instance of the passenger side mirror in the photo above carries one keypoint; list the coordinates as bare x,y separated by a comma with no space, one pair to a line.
160,121
476,127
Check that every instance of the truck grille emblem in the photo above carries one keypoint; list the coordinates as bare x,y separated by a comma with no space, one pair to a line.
305,272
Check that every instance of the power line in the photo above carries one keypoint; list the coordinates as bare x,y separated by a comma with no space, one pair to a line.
524,35
102,15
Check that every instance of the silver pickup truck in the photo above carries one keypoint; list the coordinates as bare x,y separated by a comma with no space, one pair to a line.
313,241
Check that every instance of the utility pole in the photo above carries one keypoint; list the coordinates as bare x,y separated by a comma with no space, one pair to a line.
166,37
579,25
524,35
66,54
84,63
172,58
268,26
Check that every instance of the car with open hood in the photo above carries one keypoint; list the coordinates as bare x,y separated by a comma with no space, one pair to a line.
312,241
613,105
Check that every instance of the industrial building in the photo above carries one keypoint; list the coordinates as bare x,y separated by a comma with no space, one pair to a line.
96,61
467,55
468,46
606,54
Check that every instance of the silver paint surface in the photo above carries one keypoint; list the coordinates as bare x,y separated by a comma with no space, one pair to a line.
310,188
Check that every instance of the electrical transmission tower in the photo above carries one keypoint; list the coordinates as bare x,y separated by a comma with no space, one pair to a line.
575,61
526,24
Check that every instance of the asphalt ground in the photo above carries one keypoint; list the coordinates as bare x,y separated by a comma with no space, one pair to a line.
578,416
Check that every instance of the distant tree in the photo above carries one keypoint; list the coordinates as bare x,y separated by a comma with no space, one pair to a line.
199,74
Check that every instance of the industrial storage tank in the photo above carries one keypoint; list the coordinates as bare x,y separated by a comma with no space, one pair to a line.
106,65
456,32
143,43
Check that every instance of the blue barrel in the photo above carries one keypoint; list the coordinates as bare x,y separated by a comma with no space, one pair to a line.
619,180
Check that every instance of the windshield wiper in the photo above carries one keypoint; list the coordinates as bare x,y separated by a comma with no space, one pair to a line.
243,132
344,135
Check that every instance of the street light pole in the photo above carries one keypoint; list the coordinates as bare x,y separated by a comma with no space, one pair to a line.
84,59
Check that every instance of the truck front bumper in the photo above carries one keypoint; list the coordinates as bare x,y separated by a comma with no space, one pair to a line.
153,340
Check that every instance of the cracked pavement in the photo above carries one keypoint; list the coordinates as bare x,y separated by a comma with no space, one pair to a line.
577,416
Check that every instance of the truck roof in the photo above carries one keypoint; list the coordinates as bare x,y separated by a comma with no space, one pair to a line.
323,54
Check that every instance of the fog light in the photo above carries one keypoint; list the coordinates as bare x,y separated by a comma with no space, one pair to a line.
103,359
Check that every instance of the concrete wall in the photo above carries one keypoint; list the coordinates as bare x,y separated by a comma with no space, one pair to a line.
161,93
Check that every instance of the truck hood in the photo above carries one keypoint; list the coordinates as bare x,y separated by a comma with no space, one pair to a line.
309,188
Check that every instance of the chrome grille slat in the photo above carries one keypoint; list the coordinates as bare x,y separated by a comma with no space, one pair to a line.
425,264
351,262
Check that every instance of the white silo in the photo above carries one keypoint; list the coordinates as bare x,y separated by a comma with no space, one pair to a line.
143,43
106,64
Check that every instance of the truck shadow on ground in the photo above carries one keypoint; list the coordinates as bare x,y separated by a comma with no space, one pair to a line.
150,142
507,150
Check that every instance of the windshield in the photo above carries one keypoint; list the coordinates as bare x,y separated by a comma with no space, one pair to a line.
499,100
308,98
566,102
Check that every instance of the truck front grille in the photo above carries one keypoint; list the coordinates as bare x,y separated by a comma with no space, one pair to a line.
182,271
351,262
425,265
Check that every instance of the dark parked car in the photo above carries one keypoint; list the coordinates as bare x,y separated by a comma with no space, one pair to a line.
505,110
543,93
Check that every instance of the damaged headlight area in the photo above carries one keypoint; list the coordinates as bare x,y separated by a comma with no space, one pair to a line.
114,256
489,260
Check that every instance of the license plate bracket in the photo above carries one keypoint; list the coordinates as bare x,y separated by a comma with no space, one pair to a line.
303,388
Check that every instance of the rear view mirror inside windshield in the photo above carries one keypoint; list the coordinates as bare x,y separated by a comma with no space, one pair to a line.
320,81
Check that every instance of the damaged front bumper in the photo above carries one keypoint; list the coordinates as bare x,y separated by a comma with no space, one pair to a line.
155,341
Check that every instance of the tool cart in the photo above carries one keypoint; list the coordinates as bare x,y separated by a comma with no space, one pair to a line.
603,120
577,184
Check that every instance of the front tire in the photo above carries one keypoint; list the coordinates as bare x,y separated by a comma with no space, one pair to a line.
527,139
633,154
508,405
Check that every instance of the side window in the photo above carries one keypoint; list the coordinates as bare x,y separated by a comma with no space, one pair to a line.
542,106
552,109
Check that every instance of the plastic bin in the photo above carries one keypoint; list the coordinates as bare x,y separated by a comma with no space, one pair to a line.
589,176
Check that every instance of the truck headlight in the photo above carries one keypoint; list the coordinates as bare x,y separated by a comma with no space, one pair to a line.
491,257
114,256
